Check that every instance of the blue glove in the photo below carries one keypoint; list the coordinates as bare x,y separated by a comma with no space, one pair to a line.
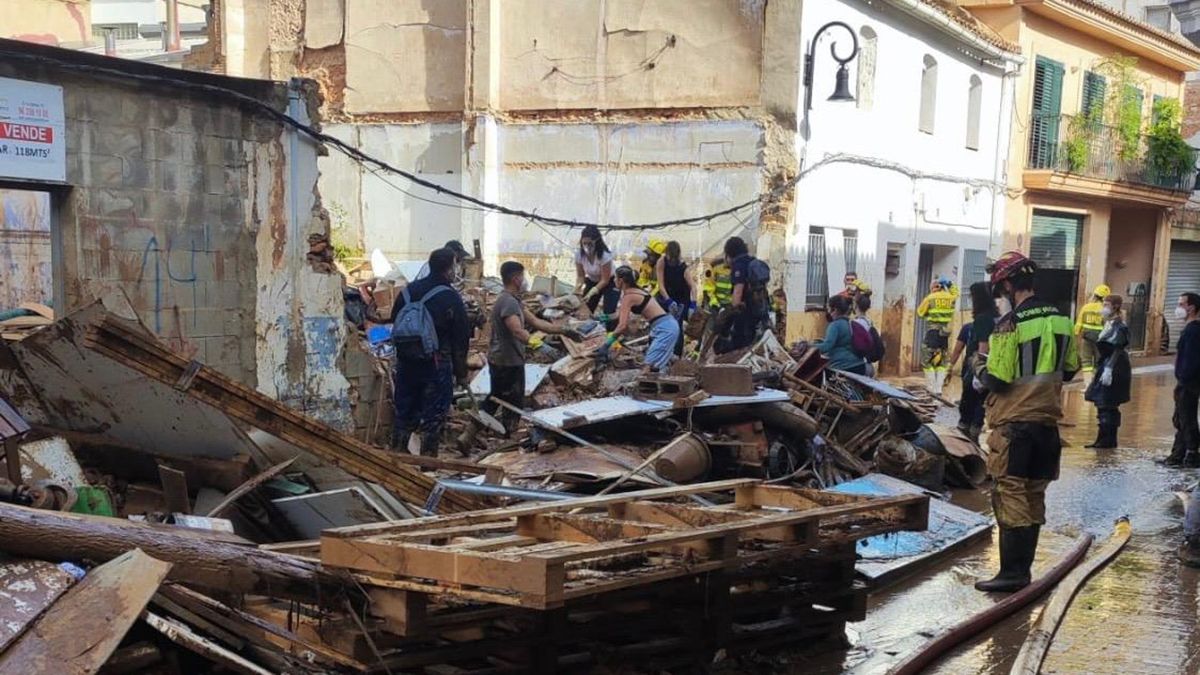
692,306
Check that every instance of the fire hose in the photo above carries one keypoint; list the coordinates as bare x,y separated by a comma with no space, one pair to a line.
975,624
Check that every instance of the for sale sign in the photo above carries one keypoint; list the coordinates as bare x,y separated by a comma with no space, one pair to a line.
33,140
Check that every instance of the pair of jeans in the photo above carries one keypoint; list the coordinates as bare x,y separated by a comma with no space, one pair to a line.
424,390
1187,428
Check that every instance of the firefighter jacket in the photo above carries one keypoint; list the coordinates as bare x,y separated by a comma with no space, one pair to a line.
1090,319
722,286
1031,353
938,306
648,278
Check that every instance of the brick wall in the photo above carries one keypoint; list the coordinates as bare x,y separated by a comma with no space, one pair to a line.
1191,109
198,210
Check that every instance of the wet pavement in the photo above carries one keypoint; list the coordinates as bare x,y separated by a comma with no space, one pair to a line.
1138,615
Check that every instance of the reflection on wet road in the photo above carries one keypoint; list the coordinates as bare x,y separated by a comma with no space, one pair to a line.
1136,616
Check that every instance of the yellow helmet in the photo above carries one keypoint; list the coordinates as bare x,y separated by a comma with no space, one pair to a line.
1102,291
657,246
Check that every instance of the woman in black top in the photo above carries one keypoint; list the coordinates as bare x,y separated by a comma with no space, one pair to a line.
974,339
676,291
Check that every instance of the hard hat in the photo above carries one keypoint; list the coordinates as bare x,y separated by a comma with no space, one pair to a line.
657,246
1009,265
1102,291
945,281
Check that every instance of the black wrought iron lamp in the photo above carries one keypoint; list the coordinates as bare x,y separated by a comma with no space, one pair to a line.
841,89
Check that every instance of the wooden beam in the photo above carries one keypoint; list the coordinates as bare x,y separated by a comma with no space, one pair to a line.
255,481
585,529
184,637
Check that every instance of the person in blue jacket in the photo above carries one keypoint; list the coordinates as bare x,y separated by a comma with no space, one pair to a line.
837,345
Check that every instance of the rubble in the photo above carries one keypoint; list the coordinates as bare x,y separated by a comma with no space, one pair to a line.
287,545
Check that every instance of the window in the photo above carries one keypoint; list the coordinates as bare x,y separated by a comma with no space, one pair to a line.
868,51
974,110
1094,88
1159,16
817,286
850,248
1044,119
928,94
123,31
1154,109
1134,98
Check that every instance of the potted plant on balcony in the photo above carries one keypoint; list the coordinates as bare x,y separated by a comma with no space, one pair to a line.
1168,156
1081,133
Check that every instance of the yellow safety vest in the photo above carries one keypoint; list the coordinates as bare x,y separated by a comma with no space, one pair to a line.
1090,318
722,285
647,278
938,307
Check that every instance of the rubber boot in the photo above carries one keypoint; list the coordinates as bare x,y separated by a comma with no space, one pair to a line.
1106,438
1191,460
1016,558
400,440
429,443
939,377
1099,438
1189,551
1176,456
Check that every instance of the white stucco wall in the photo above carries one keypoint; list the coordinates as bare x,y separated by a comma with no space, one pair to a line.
143,11
945,192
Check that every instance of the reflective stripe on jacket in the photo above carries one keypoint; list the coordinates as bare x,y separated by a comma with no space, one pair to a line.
938,307
1030,354
1090,318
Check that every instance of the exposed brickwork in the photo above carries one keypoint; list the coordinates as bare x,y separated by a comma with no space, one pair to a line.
1191,108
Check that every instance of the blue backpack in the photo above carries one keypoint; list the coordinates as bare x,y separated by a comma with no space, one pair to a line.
413,331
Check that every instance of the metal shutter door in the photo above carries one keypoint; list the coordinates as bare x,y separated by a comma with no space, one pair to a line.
1054,240
1183,276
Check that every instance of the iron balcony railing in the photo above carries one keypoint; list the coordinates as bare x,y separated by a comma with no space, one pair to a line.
1095,150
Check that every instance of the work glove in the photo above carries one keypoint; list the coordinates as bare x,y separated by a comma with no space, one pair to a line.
595,290
1106,377
977,385
691,306
535,342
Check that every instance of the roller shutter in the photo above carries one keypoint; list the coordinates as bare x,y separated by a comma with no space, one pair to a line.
1183,276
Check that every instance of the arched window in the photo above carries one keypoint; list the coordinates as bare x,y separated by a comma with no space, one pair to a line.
974,105
928,94
868,51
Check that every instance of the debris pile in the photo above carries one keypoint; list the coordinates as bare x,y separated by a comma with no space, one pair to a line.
622,517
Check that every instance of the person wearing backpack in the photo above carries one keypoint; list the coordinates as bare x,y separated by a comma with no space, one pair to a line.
864,338
838,343
750,302
430,333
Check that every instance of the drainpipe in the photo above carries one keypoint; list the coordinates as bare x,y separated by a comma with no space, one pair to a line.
110,42
171,39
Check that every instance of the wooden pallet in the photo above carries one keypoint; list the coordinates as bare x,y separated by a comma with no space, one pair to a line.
544,555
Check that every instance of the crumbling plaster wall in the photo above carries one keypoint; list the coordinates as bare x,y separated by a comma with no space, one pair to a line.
198,211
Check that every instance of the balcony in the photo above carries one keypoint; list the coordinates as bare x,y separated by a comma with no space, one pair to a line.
1088,160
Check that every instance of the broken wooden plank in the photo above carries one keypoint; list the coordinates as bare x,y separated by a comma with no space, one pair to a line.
80,631
175,490
200,557
184,637
249,485
27,588
132,347
38,308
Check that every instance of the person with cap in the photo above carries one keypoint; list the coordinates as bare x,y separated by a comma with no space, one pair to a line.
460,254
1088,326
648,271
664,330
1111,381
938,311
425,373
594,272
1030,354
510,323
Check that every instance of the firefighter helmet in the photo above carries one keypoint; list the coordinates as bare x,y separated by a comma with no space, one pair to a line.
1009,265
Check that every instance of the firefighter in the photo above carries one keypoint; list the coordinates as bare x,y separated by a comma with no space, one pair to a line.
648,271
1030,354
718,285
938,310
1088,327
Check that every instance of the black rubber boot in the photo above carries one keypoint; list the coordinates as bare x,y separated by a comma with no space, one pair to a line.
1191,460
1017,545
1189,552
1106,440
1176,456
400,440
1098,443
429,443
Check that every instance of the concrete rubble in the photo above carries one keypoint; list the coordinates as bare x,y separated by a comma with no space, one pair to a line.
274,542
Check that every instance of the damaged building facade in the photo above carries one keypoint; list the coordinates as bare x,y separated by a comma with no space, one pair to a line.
168,189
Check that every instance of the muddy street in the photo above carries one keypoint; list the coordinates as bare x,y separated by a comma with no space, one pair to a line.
1138,615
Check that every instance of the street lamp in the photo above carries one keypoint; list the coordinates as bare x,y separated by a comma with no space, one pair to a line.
841,89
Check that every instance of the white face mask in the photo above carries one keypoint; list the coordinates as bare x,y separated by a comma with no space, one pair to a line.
1180,312
1003,306
589,248
1106,311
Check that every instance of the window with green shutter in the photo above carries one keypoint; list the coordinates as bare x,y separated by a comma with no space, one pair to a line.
1093,95
1044,120
1135,97
1154,111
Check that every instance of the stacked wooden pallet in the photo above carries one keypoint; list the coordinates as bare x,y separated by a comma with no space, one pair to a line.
638,576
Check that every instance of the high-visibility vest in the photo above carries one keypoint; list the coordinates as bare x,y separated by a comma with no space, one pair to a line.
722,285
1030,354
1090,318
647,278
938,307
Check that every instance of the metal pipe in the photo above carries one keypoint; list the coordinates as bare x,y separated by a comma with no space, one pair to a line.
973,625
505,491
110,42
172,41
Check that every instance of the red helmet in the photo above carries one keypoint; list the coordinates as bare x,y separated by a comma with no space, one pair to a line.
1009,265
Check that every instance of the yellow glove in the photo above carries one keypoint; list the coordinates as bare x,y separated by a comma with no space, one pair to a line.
535,342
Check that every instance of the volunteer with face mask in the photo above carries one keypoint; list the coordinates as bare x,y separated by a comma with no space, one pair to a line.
594,272
1030,354
1186,450
1110,386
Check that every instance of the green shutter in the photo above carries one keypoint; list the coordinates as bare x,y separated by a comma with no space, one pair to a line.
1154,110
1093,94
1054,240
1047,106
1135,94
